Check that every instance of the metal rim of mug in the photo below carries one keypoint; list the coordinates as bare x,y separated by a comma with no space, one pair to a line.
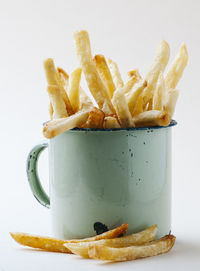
172,123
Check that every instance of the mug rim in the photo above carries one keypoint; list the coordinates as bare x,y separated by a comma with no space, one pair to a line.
172,123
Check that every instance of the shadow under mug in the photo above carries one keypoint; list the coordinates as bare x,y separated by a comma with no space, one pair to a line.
109,176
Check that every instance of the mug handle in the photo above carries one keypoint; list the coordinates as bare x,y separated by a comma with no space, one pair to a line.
33,179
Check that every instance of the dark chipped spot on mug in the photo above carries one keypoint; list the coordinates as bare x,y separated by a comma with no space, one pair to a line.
131,154
144,143
129,149
123,152
100,228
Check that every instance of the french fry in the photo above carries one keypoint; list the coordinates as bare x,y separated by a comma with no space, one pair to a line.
58,104
176,70
159,94
63,77
115,74
95,119
105,74
134,77
138,106
118,231
160,246
93,79
134,94
74,84
111,122
121,107
150,103
44,243
57,245
170,104
159,63
152,118
52,79
139,238
135,73
51,110
58,126
50,70
84,100
62,73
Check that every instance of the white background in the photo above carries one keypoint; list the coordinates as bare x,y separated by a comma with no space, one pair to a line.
128,32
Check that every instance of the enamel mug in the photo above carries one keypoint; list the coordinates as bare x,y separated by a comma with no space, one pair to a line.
108,176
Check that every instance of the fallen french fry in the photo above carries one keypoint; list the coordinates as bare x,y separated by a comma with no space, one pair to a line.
84,100
118,231
139,238
105,74
93,79
160,246
134,77
152,118
115,74
122,110
58,126
170,104
74,84
57,245
44,243
134,94
95,119
159,63
58,104
159,94
176,70
111,122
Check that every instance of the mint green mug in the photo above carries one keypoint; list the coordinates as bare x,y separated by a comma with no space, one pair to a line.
108,176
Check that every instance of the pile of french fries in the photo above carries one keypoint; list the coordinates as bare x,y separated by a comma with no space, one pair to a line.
107,246
136,103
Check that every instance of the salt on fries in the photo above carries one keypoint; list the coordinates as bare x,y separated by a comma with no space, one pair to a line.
153,248
139,238
57,245
139,102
